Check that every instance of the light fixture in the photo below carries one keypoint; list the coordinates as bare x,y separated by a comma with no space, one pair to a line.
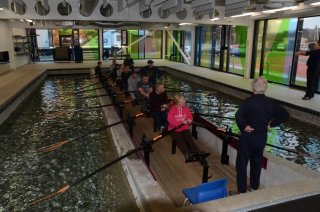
241,15
166,27
214,19
280,9
183,24
315,4
1,8
28,20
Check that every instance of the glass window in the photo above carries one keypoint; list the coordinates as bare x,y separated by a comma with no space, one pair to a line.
133,50
153,47
44,41
308,34
111,42
216,48
89,41
260,26
187,45
173,52
238,49
278,51
206,47
141,44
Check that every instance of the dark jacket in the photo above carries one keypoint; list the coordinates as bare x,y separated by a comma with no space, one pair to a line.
156,100
259,111
314,58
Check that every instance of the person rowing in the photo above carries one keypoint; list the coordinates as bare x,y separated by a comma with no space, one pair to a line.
179,114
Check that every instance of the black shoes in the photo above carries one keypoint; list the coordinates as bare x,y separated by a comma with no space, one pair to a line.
306,98
195,156
190,157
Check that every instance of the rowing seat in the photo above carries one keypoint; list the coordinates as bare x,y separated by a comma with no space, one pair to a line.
206,191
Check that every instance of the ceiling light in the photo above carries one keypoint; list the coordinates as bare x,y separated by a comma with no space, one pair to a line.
315,4
1,8
214,19
166,27
182,24
241,15
28,20
280,9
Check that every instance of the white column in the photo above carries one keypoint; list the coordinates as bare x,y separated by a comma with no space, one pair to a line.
101,44
249,45
193,45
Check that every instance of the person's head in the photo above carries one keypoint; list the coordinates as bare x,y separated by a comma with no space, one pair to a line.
128,56
179,100
259,85
150,63
134,75
99,63
159,88
114,61
318,43
313,46
145,79
126,68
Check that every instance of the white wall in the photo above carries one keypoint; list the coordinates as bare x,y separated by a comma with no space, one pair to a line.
6,45
22,59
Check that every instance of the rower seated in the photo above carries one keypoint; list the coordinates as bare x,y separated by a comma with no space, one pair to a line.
132,86
158,100
144,88
179,113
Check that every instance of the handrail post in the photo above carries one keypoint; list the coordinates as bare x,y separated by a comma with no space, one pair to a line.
225,144
147,148
130,124
113,97
120,107
173,145
205,171
194,132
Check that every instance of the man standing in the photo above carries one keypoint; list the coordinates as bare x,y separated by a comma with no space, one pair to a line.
255,115
128,61
313,70
152,71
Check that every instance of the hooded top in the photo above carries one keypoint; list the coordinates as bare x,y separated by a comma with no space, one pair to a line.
177,115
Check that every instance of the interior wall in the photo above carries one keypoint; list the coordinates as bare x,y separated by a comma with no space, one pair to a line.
6,45
22,59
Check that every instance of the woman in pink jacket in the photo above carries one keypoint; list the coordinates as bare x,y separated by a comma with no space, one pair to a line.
179,113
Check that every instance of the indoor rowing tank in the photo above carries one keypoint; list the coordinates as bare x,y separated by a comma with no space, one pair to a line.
53,113
294,135
56,112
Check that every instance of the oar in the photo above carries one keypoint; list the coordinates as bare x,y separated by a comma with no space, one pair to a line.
93,89
98,106
61,143
197,103
91,85
184,91
215,116
130,152
96,96
301,154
